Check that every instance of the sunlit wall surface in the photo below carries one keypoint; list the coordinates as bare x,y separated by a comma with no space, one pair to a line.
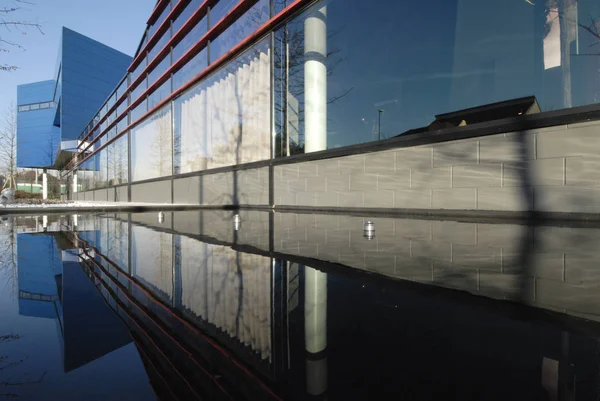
36,134
211,87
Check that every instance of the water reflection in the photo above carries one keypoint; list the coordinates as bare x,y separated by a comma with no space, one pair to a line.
302,306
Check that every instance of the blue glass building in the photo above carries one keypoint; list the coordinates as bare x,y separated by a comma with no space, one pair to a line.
52,114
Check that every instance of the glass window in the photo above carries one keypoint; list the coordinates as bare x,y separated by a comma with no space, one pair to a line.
137,92
152,260
87,177
139,111
190,70
190,39
24,108
122,107
159,70
34,107
161,18
219,10
118,162
138,70
190,9
254,18
464,54
121,89
159,94
121,125
151,147
100,177
225,120
158,46
111,100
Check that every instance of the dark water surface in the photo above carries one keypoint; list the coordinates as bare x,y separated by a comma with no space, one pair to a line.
250,305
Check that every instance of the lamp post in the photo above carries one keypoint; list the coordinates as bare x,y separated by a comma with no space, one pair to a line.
379,125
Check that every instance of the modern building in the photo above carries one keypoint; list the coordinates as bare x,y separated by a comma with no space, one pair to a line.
221,93
52,113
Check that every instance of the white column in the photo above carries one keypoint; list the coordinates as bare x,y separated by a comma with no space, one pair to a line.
315,80
75,181
315,330
44,185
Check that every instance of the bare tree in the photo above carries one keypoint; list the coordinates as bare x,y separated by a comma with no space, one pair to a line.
11,23
8,147
8,255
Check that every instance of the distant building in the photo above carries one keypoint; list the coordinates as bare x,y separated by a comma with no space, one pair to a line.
52,113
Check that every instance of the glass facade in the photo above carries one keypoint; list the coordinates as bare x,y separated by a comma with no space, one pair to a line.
118,162
151,147
347,72
225,119
378,77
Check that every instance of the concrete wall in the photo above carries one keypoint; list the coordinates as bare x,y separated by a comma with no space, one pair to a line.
153,192
101,195
553,170
484,173
121,194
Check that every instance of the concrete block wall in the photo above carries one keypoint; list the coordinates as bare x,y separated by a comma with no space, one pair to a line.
550,267
483,173
553,169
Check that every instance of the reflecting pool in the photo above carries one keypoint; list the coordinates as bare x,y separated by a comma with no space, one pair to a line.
255,305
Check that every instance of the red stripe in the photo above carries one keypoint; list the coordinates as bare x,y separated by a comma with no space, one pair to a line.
231,54
176,38
181,320
160,6
133,319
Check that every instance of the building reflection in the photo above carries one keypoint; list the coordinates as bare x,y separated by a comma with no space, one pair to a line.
220,309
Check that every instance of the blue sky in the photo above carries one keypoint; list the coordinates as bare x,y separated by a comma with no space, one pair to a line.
116,23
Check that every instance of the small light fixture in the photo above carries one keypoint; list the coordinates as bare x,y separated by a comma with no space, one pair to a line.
369,230
161,217
237,222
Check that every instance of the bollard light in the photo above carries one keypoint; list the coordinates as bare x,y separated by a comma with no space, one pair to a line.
237,222
369,230
161,217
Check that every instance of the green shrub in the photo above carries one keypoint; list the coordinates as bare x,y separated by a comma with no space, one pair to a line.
26,195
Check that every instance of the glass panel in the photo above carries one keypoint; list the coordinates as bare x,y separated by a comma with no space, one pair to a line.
118,162
152,259
225,120
80,179
191,69
100,179
121,89
111,101
190,39
186,14
384,82
162,17
122,107
121,125
34,107
151,147
159,45
219,10
139,111
87,181
138,70
159,69
244,26
162,92
137,92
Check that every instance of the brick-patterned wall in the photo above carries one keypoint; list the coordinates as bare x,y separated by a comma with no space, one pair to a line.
550,267
484,173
